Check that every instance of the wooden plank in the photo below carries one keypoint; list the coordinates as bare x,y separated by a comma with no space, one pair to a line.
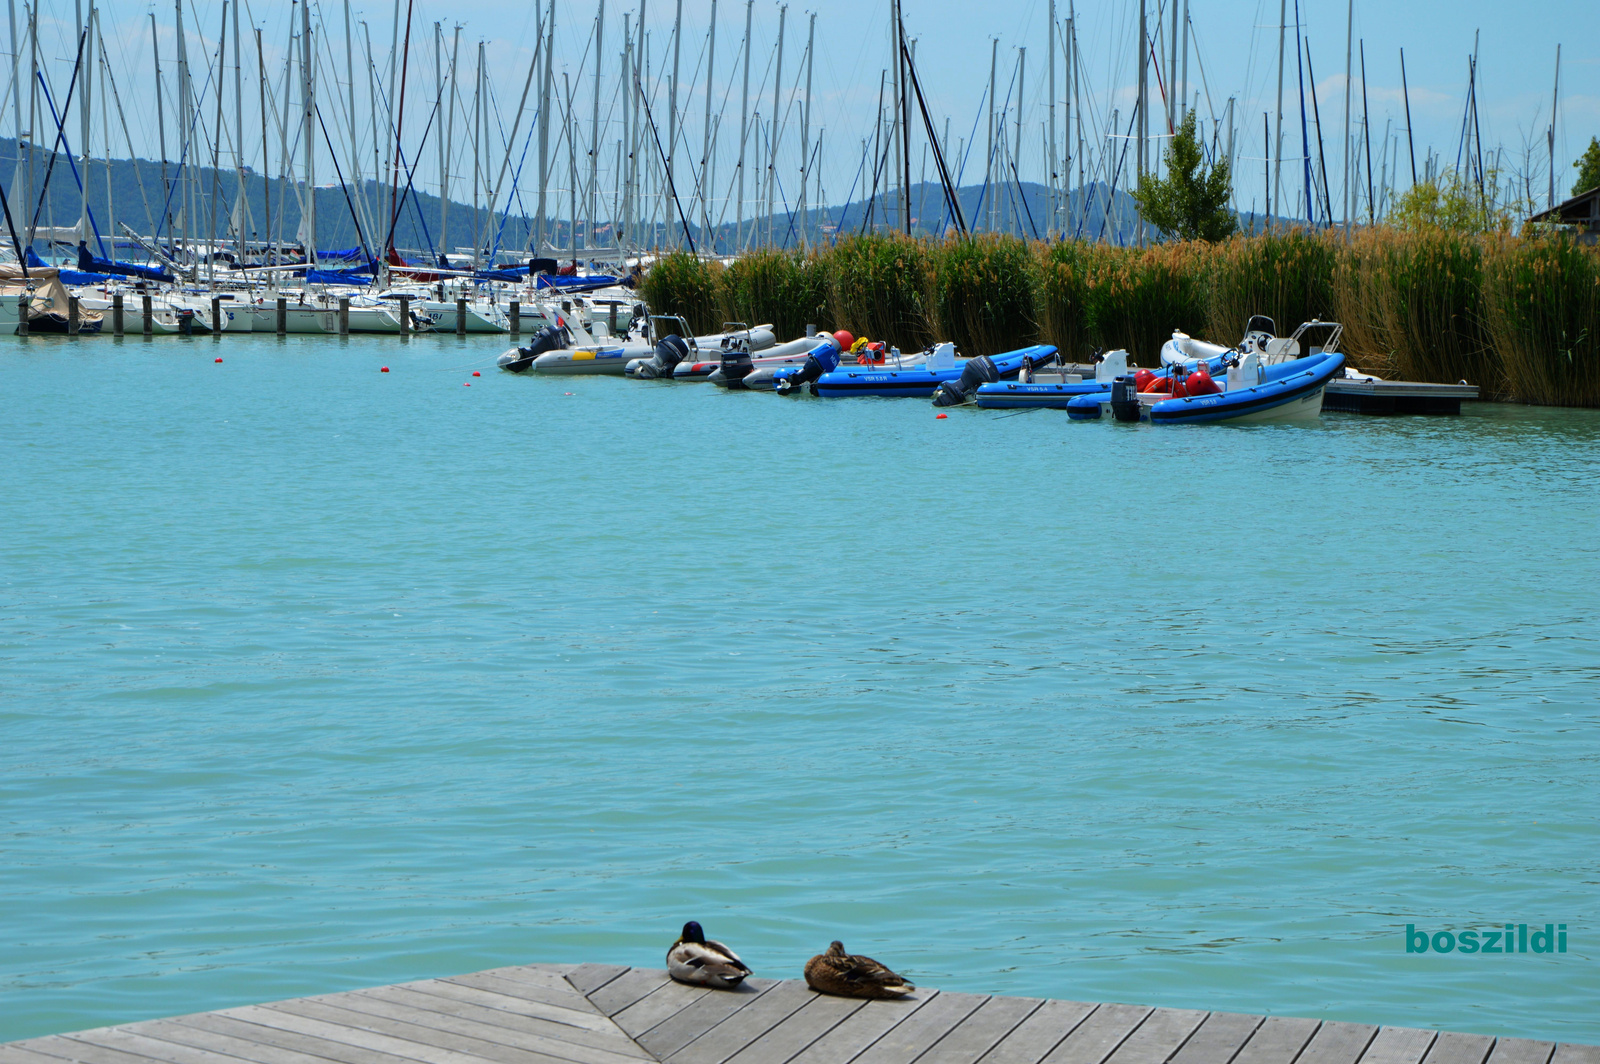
1158,1037
627,989
1219,1039
420,1003
1568,1053
1278,1040
408,1038
251,1041
919,1032
660,1005
532,974
344,1033
700,1016
1521,1051
449,990
58,1047
813,1020
567,1000
863,1027
552,1043
1399,1045
981,1031
19,1053
587,978
149,1040
1338,1043
752,1021
1098,1036
1041,1032
1452,1047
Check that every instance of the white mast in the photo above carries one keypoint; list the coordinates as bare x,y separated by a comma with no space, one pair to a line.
744,121
544,119
1053,170
594,125
672,113
1277,147
772,144
805,131
308,89
1349,33
85,97
988,172
705,136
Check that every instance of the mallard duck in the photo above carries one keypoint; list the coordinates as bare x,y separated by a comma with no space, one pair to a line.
838,972
695,960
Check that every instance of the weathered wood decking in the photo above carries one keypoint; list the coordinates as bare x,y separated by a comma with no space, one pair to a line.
604,1014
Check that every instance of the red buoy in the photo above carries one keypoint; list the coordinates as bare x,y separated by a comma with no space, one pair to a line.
219,360
1201,383
1142,379
475,373
844,339
1158,384
466,384
384,370
936,417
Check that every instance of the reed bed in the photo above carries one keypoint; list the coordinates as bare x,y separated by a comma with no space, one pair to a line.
1542,306
683,284
1515,316
984,292
786,288
1139,296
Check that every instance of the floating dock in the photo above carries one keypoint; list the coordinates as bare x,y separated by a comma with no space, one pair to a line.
1396,397
605,1014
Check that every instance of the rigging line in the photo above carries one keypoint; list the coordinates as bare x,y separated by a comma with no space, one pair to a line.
60,133
339,173
671,186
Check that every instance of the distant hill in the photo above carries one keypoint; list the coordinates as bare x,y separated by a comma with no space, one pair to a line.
141,198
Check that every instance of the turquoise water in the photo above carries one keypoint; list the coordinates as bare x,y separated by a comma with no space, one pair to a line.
313,678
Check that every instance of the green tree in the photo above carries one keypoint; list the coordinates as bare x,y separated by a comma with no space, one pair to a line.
1455,203
1191,202
1588,167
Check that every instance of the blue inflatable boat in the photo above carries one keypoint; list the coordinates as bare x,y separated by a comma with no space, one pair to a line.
1285,391
942,366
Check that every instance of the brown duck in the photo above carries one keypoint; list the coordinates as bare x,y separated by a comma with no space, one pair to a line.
840,973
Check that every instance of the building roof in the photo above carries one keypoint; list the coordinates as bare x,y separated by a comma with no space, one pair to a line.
1582,209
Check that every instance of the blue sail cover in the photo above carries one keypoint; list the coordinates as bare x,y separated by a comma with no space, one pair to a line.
576,283
356,277
88,263
341,253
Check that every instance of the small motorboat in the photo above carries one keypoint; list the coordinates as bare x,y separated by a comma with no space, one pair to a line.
1052,388
1267,379
739,369
940,366
696,357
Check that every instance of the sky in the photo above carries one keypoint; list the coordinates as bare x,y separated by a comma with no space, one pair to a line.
1233,54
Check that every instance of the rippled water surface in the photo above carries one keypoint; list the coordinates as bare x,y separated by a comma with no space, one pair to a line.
313,678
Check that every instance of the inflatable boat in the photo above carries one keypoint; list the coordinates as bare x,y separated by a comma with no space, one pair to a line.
1284,391
1044,388
941,366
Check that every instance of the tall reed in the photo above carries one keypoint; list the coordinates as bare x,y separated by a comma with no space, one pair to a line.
1286,276
788,289
1138,297
681,283
1063,273
1542,305
882,287
1358,277
1428,286
984,293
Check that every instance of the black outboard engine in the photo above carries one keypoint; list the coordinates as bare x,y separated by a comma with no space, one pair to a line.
809,372
735,365
669,352
520,359
980,370
1125,399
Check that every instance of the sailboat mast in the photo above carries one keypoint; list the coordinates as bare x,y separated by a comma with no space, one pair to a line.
594,127
772,143
1276,151
399,125
161,123
672,113
85,104
805,133
744,123
216,154
705,135
308,91
1051,170
1349,35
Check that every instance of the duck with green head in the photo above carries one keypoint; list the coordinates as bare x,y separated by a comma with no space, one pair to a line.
699,961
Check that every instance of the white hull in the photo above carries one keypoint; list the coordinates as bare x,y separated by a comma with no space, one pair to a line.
604,360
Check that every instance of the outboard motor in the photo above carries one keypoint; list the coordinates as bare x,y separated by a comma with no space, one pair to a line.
824,358
520,359
735,365
980,370
669,352
1125,399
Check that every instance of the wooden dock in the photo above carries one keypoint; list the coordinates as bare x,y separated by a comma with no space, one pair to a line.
605,1014
1396,397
